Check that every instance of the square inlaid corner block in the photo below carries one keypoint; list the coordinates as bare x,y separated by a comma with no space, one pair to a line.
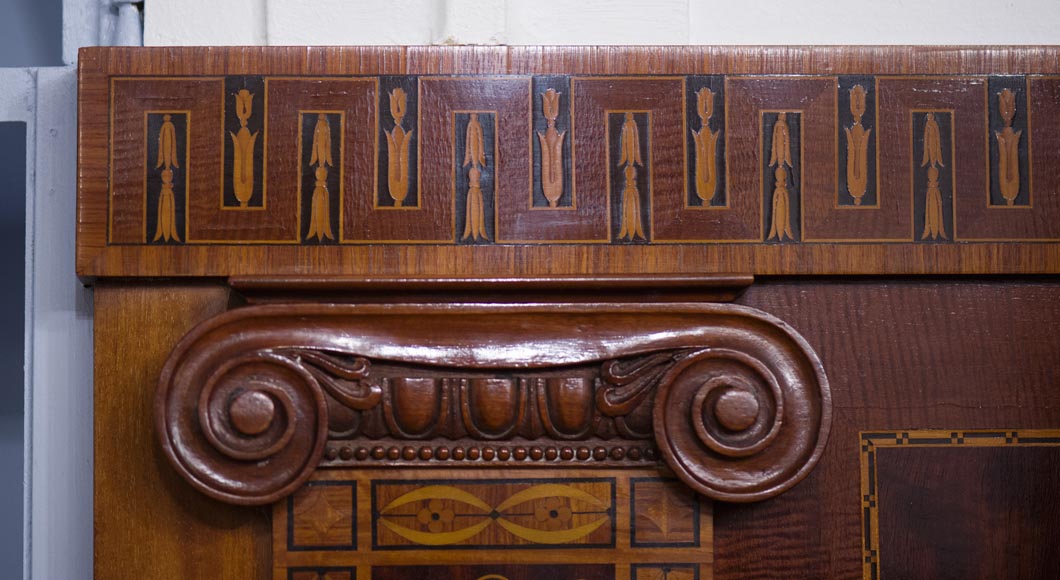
664,513
322,516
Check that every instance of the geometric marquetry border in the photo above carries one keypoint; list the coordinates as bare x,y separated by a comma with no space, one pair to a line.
873,440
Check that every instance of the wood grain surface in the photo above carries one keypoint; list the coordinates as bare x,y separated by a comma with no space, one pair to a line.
148,522
905,354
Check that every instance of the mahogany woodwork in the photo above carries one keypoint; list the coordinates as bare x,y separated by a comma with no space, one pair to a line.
590,313
952,355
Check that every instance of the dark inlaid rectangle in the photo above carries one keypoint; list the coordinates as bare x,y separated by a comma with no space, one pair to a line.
398,159
322,516
167,176
629,175
475,176
705,111
663,513
244,143
934,177
320,167
782,172
968,512
857,136
550,169
1008,141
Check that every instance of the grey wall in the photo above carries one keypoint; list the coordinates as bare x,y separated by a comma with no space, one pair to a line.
12,332
31,33
30,36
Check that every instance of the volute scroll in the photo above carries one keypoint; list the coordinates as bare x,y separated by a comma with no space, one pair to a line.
253,401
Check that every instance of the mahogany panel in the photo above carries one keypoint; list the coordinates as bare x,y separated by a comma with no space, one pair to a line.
813,100
506,100
898,357
661,100
960,504
964,155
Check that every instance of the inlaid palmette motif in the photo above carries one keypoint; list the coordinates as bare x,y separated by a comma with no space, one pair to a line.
933,161
857,147
475,162
168,161
319,161
706,148
253,401
551,149
243,144
780,159
631,224
397,147
1008,141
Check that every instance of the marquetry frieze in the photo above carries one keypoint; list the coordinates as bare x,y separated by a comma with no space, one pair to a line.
580,159
473,163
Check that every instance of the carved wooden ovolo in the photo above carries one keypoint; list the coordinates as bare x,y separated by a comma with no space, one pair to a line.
251,402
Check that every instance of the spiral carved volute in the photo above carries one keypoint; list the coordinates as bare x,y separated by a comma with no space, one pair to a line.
252,402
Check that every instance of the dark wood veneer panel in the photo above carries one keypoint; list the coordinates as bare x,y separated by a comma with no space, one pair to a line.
963,513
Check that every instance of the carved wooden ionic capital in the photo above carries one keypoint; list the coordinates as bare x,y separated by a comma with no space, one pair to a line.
251,402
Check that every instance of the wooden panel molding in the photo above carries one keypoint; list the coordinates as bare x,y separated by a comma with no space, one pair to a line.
525,161
732,400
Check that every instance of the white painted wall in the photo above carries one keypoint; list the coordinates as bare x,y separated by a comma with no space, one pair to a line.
59,346
58,330
337,22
